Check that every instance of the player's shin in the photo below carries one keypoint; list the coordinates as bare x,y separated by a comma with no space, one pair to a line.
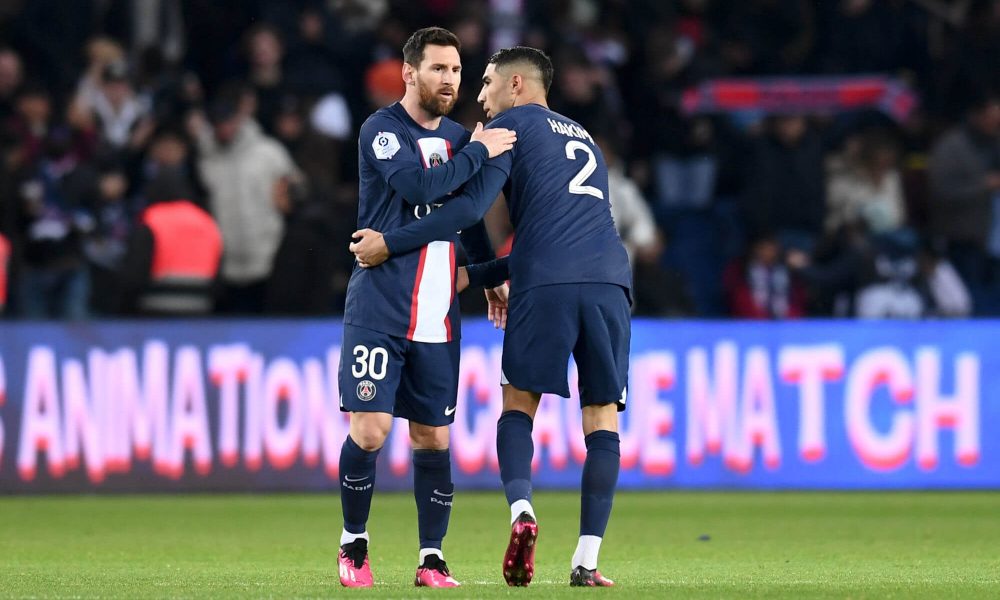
433,491
515,449
357,484
600,476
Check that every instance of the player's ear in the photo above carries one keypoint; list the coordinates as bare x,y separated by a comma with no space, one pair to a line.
516,83
408,73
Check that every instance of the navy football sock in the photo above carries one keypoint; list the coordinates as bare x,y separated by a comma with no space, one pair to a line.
357,484
600,476
433,490
514,451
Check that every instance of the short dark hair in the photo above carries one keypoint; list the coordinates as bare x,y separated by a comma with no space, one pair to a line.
532,56
413,49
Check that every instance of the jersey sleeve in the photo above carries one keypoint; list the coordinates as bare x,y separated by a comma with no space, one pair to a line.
461,212
476,242
383,146
489,274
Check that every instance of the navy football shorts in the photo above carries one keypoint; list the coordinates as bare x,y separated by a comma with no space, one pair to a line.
413,380
546,324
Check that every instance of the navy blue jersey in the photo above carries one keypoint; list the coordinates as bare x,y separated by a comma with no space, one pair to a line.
405,171
556,183
557,195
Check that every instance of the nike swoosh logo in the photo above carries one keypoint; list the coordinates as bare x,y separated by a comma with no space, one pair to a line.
354,480
450,411
445,495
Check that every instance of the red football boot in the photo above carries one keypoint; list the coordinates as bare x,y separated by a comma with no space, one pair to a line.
519,561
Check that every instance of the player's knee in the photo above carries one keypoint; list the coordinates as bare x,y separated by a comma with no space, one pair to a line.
369,441
425,437
515,399
368,431
600,417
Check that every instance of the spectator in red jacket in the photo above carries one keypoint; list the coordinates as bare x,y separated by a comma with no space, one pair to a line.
760,286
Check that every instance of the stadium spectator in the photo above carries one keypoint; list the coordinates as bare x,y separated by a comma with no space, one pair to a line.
105,245
247,175
173,255
964,172
168,151
53,216
944,293
865,187
784,191
761,286
310,271
633,218
110,107
383,85
891,289
27,128
265,52
145,24
681,150
11,78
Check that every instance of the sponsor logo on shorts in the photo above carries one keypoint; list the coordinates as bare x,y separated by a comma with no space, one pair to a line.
450,411
366,390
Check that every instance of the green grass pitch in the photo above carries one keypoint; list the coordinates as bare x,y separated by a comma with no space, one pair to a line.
756,545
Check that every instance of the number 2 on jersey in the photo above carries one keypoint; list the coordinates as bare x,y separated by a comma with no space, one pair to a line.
576,184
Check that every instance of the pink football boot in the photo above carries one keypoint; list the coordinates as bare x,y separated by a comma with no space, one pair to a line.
434,573
581,577
355,572
519,561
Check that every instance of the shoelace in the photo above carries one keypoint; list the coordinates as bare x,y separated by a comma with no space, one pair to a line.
355,554
437,565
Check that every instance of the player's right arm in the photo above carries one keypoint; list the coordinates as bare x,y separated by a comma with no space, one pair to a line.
382,146
372,248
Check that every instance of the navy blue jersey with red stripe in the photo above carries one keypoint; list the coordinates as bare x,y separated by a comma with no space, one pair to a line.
411,295
557,195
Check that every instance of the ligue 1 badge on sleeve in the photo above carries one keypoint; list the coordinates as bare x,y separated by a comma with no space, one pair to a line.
366,390
385,145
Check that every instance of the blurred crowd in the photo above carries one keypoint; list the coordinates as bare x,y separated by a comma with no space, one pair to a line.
248,111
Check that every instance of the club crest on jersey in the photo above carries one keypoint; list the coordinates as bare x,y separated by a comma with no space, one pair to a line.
385,145
435,160
366,390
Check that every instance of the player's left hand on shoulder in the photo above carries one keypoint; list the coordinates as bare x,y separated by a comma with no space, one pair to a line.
369,248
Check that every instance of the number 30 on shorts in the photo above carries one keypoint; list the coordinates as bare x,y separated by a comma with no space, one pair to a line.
369,363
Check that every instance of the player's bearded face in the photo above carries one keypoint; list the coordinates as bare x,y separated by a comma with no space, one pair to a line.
437,79
436,97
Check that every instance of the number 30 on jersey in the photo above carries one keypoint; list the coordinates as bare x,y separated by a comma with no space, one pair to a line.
369,363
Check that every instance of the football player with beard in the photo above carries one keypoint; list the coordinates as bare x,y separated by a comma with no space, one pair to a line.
400,350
